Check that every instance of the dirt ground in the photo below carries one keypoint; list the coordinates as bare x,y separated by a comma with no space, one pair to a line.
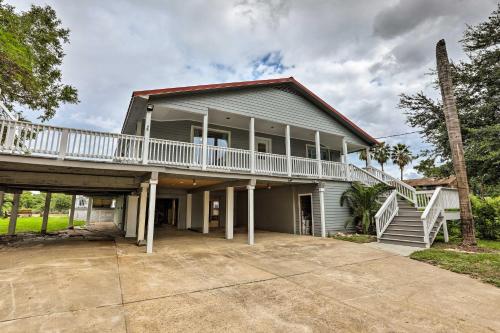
204,283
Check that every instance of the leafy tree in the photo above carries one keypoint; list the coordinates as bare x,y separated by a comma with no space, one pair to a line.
31,53
362,200
401,156
477,95
381,153
60,202
32,201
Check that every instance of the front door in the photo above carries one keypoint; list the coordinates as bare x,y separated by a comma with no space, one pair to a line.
305,207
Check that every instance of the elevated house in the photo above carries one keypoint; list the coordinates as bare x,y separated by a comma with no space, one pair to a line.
265,154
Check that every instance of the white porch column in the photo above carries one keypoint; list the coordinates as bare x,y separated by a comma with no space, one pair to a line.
131,216
229,212
288,151
46,210
89,211
72,212
322,210
206,211
13,213
368,157
251,239
344,151
251,144
318,153
204,142
445,231
147,132
151,212
189,210
141,223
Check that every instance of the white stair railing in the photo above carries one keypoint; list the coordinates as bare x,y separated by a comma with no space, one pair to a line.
406,191
442,199
386,213
365,177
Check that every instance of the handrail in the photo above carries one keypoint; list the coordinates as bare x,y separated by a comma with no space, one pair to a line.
406,191
442,199
386,213
358,174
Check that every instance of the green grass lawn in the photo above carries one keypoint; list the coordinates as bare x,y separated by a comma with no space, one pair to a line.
355,238
34,224
484,264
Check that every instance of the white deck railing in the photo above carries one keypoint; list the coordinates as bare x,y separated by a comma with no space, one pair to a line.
386,213
23,138
442,199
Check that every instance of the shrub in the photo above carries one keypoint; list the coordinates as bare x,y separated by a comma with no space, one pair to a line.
486,216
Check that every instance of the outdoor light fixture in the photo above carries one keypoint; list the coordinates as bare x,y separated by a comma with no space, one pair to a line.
194,182
268,186
150,107
228,118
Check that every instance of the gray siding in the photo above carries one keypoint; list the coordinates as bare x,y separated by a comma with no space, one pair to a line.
181,131
264,103
335,215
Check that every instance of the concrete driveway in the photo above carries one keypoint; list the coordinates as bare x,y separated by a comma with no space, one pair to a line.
197,283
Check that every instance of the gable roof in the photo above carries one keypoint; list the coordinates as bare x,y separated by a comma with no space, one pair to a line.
306,93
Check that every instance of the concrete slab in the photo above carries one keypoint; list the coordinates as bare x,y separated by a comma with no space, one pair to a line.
196,282
394,248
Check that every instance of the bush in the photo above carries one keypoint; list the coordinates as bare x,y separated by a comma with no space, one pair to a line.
486,217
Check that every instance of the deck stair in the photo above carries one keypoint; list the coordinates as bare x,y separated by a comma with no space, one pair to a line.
407,228
410,217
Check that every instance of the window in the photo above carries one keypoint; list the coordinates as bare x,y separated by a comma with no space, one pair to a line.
214,137
326,154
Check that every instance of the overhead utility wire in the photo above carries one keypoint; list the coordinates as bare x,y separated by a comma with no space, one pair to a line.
400,134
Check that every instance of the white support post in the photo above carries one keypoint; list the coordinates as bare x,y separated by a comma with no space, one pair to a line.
206,211
251,144
151,212
322,210
189,210
344,151
318,153
204,150
229,212
63,144
131,216
46,211
147,133
368,158
445,232
288,151
72,212
143,201
89,211
13,214
251,238
9,137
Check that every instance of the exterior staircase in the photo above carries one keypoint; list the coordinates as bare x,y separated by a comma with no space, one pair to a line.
410,217
407,228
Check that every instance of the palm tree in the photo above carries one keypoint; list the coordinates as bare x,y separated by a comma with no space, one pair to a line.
362,200
381,153
362,156
456,144
401,156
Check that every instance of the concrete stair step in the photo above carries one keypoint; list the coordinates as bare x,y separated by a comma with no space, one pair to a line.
402,236
402,242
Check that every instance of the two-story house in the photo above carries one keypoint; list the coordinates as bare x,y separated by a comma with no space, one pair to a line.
241,156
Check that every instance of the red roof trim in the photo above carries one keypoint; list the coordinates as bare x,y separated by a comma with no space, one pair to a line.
208,87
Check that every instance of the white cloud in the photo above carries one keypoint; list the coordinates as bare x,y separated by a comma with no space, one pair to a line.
358,55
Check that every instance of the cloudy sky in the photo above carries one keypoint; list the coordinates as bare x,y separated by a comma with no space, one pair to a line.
357,55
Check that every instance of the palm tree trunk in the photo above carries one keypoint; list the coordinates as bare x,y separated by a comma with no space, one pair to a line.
401,169
456,145
382,166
